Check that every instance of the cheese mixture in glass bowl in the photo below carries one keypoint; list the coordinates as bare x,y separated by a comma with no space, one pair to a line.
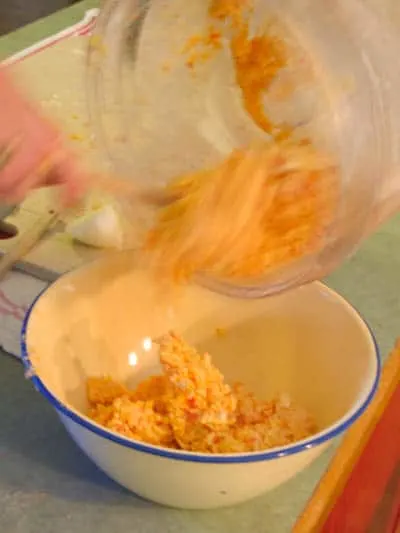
274,122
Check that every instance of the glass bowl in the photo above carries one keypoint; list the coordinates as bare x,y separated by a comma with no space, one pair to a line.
161,111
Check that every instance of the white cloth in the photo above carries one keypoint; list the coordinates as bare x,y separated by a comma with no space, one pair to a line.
17,292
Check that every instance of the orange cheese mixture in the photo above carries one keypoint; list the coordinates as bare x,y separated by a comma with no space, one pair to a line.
190,407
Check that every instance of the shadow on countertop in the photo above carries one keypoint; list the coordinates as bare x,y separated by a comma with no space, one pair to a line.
36,453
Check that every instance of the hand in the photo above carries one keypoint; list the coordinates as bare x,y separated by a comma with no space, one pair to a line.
31,150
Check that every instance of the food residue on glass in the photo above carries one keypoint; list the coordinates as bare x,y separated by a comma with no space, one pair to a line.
257,59
200,48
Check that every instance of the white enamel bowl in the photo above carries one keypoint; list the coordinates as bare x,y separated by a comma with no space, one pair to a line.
98,320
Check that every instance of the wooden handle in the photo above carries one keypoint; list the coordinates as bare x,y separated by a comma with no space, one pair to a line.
26,242
335,478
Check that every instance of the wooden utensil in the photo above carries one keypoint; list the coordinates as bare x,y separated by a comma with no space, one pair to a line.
347,497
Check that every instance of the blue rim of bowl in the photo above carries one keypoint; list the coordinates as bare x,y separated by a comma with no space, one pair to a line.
178,455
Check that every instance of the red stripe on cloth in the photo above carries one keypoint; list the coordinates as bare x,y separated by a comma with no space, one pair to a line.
81,31
367,483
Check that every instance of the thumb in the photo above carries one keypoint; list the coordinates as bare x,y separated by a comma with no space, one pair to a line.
71,177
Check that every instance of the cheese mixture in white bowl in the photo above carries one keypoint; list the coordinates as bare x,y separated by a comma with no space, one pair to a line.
102,320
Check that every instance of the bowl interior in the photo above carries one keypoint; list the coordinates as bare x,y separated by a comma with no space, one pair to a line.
100,320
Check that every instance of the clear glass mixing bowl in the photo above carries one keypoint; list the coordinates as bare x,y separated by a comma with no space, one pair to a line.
157,119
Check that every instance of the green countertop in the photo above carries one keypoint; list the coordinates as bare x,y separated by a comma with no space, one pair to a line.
47,485
24,37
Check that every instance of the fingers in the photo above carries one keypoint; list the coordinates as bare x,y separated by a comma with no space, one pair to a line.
22,171
23,167
17,176
31,151
67,173
20,189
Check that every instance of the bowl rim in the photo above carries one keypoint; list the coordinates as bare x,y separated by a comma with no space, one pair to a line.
322,437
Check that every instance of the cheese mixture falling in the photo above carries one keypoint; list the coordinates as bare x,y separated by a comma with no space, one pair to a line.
190,407
259,210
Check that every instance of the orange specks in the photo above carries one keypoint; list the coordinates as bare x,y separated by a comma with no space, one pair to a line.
200,48
257,60
76,137
220,332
